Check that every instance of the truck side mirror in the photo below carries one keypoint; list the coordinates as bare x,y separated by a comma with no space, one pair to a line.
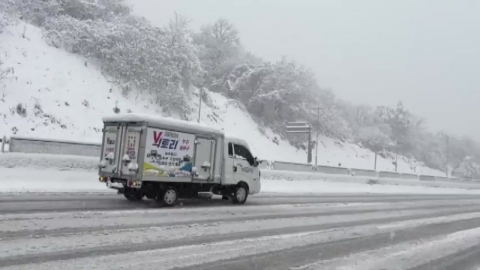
255,162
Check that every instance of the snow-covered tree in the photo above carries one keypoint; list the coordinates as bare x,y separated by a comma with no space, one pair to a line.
93,10
275,92
38,11
162,62
402,123
220,52
468,168
4,21
374,139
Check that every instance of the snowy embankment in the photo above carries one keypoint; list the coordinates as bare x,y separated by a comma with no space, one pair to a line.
56,173
54,94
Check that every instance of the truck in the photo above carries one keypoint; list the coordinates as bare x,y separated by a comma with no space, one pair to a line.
164,159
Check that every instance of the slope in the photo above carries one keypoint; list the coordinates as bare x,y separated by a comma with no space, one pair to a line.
55,94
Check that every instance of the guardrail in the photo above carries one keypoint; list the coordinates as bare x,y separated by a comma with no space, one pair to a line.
288,166
426,178
332,170
65,147
409,176
59,147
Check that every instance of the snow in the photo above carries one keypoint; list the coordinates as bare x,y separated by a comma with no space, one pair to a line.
66,96
374,182
312,187
23,162
50,180
194,254
165,232
405,255
15,222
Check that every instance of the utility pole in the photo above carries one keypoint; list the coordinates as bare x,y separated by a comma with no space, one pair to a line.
316,141
395,146
447,140
200,104
396,160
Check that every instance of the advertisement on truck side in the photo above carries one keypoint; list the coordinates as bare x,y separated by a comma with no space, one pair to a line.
168,153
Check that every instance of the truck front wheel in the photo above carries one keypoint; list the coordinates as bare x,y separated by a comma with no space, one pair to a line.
241,194
168,196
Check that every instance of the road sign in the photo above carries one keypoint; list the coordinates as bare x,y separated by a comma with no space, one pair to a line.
303,128
298,130
301,124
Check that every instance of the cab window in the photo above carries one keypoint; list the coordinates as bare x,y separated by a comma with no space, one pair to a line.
243,153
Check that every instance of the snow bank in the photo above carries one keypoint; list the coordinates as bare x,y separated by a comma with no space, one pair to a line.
54,173
46,161
330,186
50,180
341,180
58,147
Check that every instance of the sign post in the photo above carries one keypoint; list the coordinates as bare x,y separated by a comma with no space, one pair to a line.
302,128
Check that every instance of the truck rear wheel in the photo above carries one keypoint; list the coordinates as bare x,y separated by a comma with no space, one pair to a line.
240,194
168,196
133,194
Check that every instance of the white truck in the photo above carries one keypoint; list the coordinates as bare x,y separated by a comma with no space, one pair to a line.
165,159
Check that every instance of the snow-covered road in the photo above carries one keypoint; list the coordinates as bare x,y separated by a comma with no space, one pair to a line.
274,231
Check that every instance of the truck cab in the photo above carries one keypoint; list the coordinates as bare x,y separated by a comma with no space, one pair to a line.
240,164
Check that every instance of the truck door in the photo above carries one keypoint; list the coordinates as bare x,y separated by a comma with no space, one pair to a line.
130,150
111,148
244,169
204,159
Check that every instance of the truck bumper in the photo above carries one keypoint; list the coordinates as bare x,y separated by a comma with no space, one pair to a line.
117,186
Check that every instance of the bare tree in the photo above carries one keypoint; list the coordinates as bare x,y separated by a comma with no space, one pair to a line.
225,33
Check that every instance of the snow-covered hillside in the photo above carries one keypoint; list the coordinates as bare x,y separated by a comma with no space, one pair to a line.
55,94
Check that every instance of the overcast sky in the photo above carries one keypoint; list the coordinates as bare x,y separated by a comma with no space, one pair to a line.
425,53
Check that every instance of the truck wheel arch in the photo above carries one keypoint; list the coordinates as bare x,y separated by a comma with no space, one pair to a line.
244,184
240,185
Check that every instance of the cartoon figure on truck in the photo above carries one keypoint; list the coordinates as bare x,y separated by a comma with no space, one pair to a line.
165,159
